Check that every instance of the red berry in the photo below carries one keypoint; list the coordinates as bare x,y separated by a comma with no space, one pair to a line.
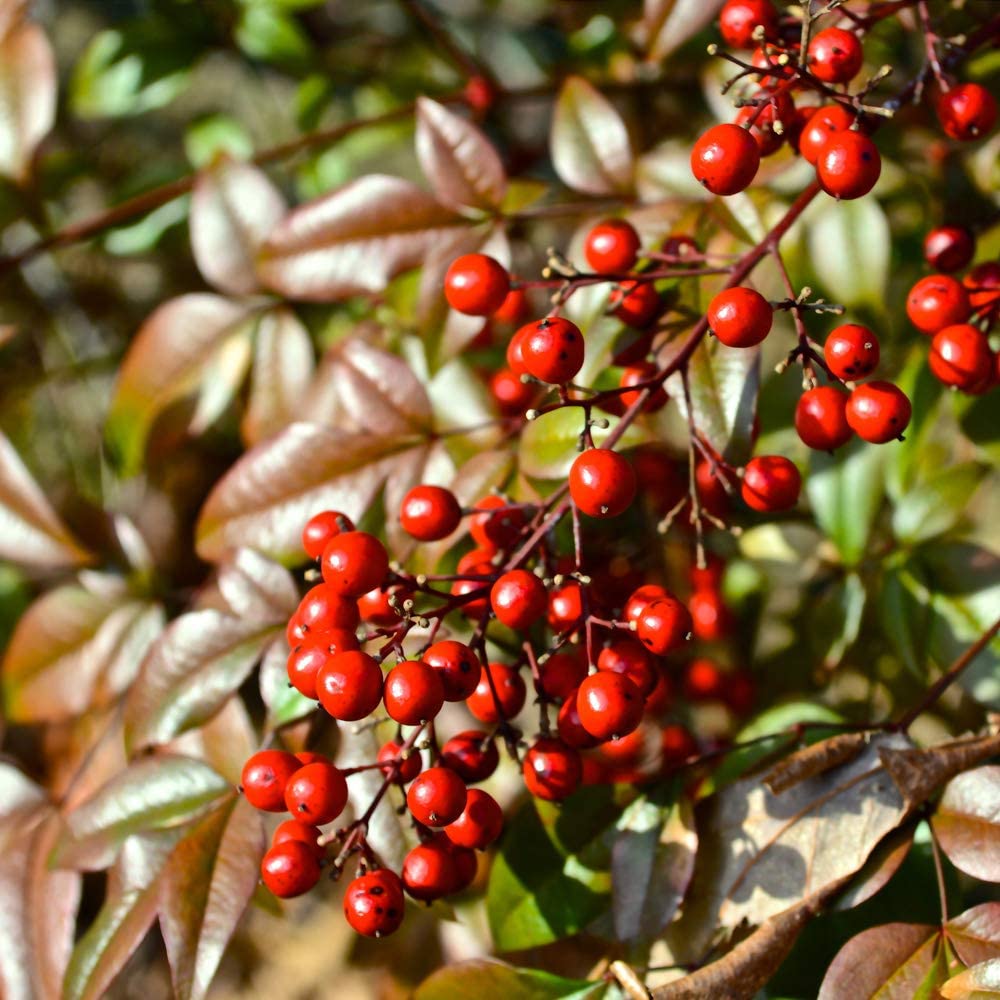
983,286
704,681
612,247
680,247
429,871
479,824
265,776
635,374
710,576
565,606
510,694
937,301
513,307
677,745
551,770
835,55
476,284
317,793
436,797
475,607
967,111
320,528
762,127
561,673
309,657
471,754
660,479
821,418
324,608
878,412
738,20
497,530
848,165
457,667
740,317
771,483
374,607
609,704
710,482
664,625
949,248
304,833
513,397
519,599
429,513
479,93
662,695
601,482
515,350
960,355
355,562
725,159
641,598
290,869
374,904
851,351
630,659
465,861
311,757
711,619
571,730
552,349
407,769
349,685
636,303
413,693
822,125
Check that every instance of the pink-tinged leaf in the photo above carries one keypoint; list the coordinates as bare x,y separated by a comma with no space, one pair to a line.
460,162
190,672
590,146
667,24
129,909
224,742
890,961
12,14
975,934
177,350
258,589
37,906
27,97
31,532
353,240
154,792
283,365
234,207
17,791
981,982
284,703
207,884
967,822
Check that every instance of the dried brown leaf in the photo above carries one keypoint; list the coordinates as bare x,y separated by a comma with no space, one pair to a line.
919,773
967,822
880,867
813,760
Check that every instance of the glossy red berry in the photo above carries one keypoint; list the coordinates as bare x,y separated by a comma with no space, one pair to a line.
304,833
355,562
349,685
429,513
704,681
937,301
561,673
309,657
636,303
476,284
949,248
552,350
571,730
676,745
513,308
515,350
325,608
636,374
851,352
471,754
612,247
602,482
457,667
551,770
320,528
407,768
465,861
711,620
761,124
663,625
823,124
480,823
835,55
376,607
848,165
878,412
511,694
413,693
641,598
725,159
738,20
565,606
960,356
709,576
436,797
374,904
430,872
710,482
513,397
821,418
983,286
265,776
681,248
771,483
967,112
290,869
316,793
629,658
519,599
740,317
609,705
498,527
311,757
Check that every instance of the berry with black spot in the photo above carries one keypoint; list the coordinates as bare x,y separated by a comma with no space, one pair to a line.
265,777
289,869
436,797
552,350
374,904
456,665
835,55
412,693
937,301
316,793
725,159
355,562
848,166
472,754
878,412
664,625
552,770
851,352
823,124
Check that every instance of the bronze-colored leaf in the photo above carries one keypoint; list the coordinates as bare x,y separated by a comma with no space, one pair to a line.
975,934
880,867
256,588
224,742
813,760
668,24
967,822
460,162
27,97
234,207
353,240
981,982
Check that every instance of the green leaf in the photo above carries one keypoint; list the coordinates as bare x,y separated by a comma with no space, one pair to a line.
904,610
847,605
284,703
933,507
272,36
212,135
490,979
905,457
846,491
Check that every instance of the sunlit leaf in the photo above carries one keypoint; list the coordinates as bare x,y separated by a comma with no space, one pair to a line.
931,508
490,979
975,934
257,589
668,24
967,822
284,703
27,97
981,982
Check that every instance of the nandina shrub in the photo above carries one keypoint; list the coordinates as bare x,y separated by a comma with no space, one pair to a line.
537,460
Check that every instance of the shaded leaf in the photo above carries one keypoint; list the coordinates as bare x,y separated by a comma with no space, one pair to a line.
967,822
224,742
813,760
31,533
463,167
153,793
933,507
668,24
233,209
27,97
257,589
589,143
981,982
353,240
975,934
490,979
